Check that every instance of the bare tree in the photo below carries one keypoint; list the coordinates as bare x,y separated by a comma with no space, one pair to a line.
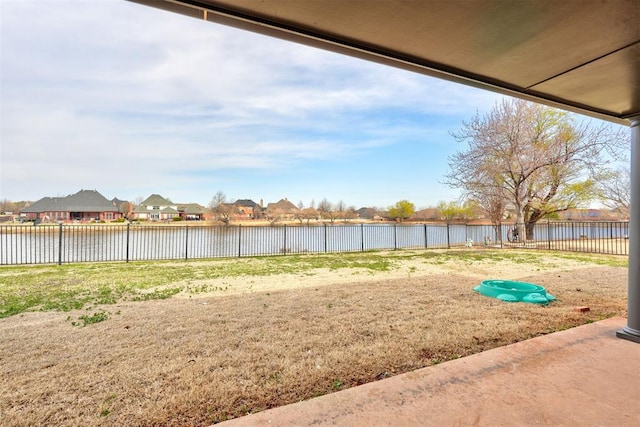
349,214
275,215
615,190
217,199
494,204
306,215
326,210
541,159
340,210
324,205
221,210
125,209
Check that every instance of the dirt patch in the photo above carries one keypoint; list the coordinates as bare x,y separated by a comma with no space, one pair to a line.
199,359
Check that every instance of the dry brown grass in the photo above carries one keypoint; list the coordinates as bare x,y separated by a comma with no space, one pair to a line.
195,361
617,246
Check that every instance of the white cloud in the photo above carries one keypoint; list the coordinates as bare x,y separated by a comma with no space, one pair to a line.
111,94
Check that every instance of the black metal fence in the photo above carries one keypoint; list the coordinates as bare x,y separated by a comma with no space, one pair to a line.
49,244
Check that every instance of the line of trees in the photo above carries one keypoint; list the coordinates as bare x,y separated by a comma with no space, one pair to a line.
537,161
7,205
224,211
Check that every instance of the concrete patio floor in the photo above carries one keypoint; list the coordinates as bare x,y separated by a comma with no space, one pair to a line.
583,376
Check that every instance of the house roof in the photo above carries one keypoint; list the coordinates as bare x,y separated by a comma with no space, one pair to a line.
579,55
46,204
82,201
156,200
246,202
191,209
283,205
118,202
367,213
428,213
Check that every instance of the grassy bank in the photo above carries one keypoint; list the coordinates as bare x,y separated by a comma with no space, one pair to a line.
197,342
75,286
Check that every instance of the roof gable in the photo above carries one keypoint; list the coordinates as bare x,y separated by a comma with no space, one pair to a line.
46,204
88,201
191,208
246,202
82,201
283,205
156,200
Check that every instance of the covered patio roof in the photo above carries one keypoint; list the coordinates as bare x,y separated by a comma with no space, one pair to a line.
579,55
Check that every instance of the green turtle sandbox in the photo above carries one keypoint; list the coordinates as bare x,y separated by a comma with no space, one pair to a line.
511,291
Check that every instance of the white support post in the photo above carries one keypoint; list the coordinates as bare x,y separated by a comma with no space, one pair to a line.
632,330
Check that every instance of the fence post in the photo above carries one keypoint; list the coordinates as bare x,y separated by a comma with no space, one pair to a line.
395,237
284,247
610,230
325,238
448,237
60,244
127,243
362,236
549,233
186,242
426,243
239,240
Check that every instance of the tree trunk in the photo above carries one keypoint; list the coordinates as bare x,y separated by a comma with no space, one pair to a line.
533,218
520,223
497,228
530,228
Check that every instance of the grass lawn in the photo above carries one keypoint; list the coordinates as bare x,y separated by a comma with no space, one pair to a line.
197,342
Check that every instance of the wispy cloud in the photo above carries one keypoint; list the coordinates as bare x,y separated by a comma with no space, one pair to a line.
132,100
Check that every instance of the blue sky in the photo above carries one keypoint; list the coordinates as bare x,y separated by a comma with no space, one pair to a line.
129,100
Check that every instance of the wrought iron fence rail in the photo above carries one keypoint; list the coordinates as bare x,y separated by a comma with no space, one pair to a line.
44,244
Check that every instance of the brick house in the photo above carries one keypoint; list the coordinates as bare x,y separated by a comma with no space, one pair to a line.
248,209
282,209
85,205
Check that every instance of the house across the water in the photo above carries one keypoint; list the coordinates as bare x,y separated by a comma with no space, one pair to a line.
85,205
157,208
